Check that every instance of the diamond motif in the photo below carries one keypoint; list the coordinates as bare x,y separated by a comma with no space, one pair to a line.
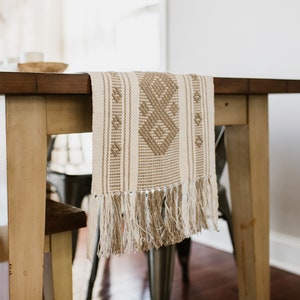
198,141
116,122
116,94
159,132
115,149
197,119
197,96
159,129
159,88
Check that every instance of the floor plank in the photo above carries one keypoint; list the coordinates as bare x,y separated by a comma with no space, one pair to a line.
212,274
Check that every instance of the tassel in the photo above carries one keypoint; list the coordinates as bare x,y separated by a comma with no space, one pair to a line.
141,220
151,219
155,220
93,225
117,224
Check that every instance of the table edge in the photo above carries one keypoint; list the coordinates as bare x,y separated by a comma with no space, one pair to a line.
79,83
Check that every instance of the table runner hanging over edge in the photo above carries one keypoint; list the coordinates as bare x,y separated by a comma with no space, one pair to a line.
154,180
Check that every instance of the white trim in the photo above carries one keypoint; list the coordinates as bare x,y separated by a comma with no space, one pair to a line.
284,249
216,239
285,252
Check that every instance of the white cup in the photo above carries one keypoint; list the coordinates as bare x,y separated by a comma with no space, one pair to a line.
32,57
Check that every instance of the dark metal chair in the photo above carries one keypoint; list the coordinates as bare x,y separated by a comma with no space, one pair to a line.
161,261
73,188
61,219
183,248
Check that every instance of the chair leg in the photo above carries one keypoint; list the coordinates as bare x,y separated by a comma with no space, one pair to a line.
93,274
183,251
225,212
48,281
183,248
76,188
161,267
61,245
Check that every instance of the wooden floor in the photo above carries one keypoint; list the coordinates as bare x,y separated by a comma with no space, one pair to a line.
212,274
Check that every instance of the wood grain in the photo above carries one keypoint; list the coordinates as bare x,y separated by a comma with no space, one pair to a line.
212,277
26,138
69,114
47,83
248,162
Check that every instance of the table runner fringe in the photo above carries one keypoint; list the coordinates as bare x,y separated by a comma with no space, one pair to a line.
133,221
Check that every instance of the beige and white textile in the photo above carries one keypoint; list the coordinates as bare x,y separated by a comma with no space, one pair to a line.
154,179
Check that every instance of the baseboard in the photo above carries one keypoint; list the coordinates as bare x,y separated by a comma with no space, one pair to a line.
219,240
284,249
285,252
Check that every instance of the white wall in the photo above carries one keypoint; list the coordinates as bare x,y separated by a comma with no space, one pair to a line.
235,37
30,25
258,38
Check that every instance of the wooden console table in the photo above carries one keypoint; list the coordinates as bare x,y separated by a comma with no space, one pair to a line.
38,105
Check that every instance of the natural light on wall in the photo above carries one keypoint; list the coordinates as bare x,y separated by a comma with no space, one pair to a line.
30,25
88,35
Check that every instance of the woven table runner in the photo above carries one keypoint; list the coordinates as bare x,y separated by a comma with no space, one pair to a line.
154,180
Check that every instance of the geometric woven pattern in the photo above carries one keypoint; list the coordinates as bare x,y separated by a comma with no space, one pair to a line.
158,128
154,180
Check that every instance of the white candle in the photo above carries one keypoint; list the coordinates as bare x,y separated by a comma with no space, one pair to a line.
31,57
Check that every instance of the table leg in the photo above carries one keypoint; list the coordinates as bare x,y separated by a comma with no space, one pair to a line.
248,162
26,188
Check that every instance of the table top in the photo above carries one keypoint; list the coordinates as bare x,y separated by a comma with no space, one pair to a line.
65,83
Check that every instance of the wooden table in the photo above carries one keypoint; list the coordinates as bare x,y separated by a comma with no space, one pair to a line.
38,105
